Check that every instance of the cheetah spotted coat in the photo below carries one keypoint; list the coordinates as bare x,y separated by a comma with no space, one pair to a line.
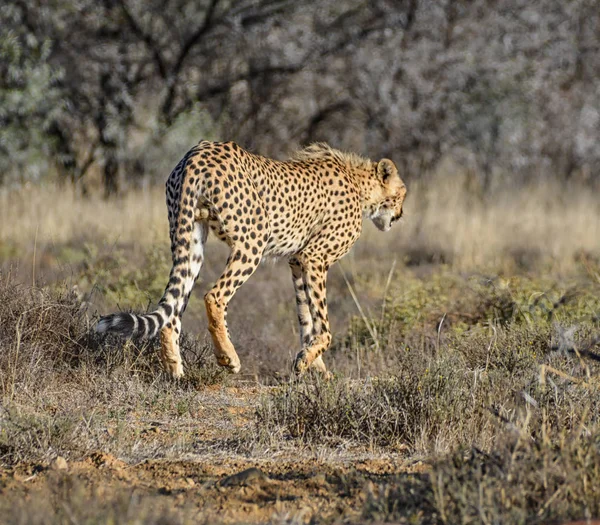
308,210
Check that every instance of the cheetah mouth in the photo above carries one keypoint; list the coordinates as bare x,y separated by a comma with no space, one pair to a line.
381,224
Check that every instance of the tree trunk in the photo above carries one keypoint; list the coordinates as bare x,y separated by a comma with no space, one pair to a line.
110,177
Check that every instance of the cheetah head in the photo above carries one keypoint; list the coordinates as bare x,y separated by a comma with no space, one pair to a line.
387,208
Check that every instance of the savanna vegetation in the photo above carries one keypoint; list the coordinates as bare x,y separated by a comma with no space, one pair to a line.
466,352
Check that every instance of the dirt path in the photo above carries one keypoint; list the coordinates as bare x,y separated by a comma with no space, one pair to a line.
212,485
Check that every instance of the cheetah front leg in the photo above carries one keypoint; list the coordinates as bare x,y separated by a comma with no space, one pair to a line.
314,275
305,320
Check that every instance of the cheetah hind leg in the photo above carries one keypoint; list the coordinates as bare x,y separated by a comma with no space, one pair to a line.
238,269
170,355
223,347
169,349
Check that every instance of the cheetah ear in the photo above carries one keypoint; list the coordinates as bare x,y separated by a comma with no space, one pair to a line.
385,170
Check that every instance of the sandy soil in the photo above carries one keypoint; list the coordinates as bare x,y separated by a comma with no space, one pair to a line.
215,483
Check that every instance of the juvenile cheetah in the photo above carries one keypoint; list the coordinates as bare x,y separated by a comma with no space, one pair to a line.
308,209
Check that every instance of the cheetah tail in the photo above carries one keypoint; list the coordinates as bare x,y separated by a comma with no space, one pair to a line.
133,325
187,246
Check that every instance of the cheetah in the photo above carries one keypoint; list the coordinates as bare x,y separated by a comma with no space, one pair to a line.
308,209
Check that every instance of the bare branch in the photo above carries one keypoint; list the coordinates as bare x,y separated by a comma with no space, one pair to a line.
194,39
151,44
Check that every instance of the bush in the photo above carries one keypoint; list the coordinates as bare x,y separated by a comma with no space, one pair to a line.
62,386
551,478
454,395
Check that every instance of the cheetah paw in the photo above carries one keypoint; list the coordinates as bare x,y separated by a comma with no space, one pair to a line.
301,363
173,368
232,365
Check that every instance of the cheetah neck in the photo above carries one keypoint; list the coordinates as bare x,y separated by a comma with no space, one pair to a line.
371,192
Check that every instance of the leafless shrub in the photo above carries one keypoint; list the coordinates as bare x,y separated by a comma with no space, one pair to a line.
452,392
551,478
55,370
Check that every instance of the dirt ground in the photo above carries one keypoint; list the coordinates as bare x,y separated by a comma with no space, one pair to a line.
214,484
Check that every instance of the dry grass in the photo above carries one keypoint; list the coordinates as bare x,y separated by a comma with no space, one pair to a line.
68,501
550,477
550,222
503,406
437,387
63,391
445,221
56,215
475,349
496,385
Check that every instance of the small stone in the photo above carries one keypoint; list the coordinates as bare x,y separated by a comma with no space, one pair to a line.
319,479
246,477
190,482
59,463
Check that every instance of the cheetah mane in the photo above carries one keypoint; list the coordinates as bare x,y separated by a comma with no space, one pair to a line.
322,151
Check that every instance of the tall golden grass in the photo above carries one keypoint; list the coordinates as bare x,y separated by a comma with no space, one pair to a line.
443,218
58,214
548,220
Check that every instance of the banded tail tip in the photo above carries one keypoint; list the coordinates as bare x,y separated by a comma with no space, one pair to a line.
122,323
103,325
